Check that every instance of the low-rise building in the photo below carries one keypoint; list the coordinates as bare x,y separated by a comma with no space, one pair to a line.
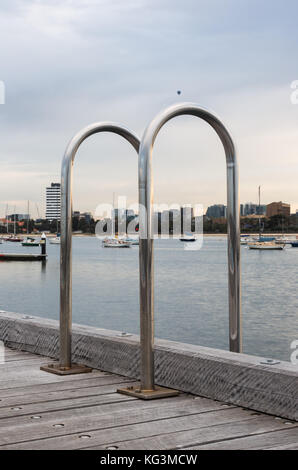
278,208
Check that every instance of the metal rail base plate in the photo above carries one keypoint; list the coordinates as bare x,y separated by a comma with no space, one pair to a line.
74,369
158,392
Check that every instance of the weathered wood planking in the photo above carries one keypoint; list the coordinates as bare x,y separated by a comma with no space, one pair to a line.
286,438
195,425
106,386
23,376
221,375
226,433
111,415
285,447
88,405
94,380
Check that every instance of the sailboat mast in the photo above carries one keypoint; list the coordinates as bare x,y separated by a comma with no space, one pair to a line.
259,212
14,221
28,217
6,214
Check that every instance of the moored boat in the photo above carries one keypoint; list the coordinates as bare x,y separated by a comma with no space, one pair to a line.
55,241
246,240
265,246
132,241
30,242
115,243
285,241
13,239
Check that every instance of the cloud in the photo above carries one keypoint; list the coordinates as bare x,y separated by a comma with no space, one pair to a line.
66,64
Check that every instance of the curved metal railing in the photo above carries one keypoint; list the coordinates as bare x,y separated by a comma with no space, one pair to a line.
66,228
146,233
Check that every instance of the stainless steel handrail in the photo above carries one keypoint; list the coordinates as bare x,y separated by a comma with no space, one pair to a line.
146,234
66,228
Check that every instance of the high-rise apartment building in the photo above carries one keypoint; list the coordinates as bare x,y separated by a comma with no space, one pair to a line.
53,201
217,210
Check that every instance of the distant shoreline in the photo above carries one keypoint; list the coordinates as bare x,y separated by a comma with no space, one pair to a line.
255,234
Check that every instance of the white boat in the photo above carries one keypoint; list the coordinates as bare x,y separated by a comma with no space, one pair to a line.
132,241
284,241
246,240
115,243
55,241
265,246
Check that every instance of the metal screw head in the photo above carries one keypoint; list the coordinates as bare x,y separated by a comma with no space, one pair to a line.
112,448
84,436
35,417
59,425
16,408
269,362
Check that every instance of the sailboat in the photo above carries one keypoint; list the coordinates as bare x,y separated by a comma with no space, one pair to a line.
56,240
264,243
115,243
29,241
14,237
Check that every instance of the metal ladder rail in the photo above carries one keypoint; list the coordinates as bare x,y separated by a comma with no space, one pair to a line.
65,365
147,387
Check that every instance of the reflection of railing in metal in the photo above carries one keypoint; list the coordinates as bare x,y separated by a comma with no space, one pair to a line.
147,388
65,366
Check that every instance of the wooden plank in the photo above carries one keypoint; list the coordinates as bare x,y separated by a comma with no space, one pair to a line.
23,376
12,354
16,358
61,404
10,366
121,425
264,441
94,380
6,365
225,433
17,353
286,447
104,385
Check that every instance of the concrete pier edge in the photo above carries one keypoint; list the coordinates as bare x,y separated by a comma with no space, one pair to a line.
239,379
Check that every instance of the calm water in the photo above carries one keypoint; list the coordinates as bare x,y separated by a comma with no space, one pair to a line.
191,297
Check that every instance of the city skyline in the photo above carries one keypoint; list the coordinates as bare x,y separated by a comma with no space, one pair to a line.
52,201
243,74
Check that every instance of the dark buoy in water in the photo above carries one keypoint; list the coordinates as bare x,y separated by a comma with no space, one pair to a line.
178,92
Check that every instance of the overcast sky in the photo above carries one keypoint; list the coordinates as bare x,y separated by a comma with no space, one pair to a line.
66,64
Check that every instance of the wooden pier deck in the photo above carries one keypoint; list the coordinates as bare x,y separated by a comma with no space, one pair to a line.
44,411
